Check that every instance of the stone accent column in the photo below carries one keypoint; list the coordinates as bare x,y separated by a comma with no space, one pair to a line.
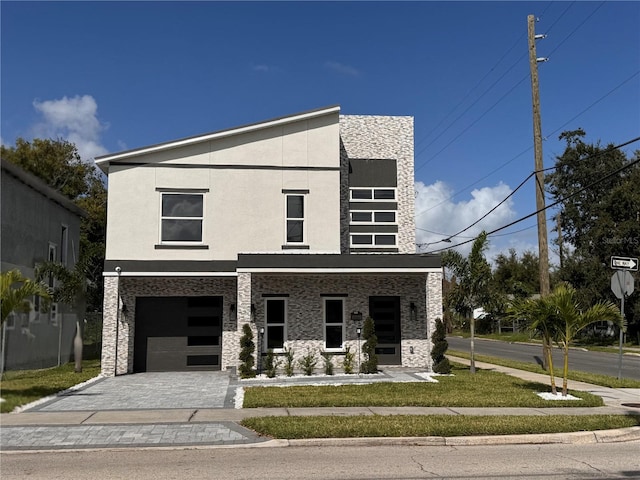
231,340
109,313
434,306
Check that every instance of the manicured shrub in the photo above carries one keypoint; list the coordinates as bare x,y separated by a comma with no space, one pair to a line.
271,364
347,363
440,345
247,349
288,362
328,364
308,363
370,363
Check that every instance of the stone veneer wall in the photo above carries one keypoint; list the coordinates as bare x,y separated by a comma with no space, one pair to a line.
131,287
305,328
383,137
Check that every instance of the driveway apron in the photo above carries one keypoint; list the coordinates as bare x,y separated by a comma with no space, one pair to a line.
144,391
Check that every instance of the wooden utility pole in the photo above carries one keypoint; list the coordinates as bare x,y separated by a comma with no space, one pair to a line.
560,239
543,247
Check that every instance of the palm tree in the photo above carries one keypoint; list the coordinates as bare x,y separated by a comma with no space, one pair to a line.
570,319
16,289
540,319
471,288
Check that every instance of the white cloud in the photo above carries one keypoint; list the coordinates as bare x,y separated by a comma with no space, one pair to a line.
438,217
74,119
342,68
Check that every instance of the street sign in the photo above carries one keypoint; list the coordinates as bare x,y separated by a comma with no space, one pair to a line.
624,263
622,284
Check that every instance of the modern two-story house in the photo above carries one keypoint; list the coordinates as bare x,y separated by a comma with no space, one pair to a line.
38,224
299,226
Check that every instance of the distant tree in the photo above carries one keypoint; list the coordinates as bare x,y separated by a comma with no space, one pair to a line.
370,363
472,288
58,163
439,339
599,216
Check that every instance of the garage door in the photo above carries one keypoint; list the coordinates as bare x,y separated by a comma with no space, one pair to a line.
177,334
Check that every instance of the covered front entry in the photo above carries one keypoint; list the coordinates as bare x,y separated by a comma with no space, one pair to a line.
385,312
177,334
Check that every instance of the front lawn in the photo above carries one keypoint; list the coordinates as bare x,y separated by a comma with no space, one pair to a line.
462,389
21,387
431,425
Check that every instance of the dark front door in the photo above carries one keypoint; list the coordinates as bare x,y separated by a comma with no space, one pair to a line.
177,334
385,312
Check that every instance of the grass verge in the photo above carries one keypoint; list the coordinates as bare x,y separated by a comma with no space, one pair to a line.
431,425
25,386
594,378
462,389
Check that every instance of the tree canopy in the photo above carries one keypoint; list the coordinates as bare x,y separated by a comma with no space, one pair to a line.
58,163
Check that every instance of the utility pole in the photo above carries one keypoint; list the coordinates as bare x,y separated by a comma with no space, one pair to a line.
560,238
543,247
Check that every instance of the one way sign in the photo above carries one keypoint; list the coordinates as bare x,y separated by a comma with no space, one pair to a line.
624,263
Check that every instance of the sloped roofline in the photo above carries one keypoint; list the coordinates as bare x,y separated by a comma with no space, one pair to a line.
104,160
41,187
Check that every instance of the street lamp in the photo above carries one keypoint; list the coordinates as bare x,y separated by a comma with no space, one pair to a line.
358,333
260,346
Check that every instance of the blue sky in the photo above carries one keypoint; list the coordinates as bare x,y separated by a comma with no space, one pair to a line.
116,75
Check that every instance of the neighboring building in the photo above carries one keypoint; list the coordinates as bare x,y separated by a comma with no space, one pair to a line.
38,224
301,226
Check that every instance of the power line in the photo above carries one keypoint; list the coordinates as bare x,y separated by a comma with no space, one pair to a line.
563,199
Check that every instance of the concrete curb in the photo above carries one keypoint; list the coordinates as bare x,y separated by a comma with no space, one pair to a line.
629,434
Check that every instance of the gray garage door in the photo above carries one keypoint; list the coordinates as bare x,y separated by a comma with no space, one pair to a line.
177,334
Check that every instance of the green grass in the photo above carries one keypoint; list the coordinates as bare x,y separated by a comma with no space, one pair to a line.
431,425
594,378
25,386
484,389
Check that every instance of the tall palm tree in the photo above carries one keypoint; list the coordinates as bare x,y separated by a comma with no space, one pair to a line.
16,289
471,289
570,319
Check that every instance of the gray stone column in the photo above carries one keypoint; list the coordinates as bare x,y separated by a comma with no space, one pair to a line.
434,306
109,313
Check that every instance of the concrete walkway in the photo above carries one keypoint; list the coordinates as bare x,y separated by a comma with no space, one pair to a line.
196,410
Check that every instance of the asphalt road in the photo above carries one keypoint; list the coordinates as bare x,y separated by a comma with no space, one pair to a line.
594,362
519,462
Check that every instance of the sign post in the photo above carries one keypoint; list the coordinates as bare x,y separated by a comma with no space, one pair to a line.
622,284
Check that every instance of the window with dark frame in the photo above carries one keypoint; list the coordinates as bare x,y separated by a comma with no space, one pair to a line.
182,217
295,218
276,323
333,323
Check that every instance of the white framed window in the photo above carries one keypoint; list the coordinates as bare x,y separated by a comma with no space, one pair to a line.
295,220
10,322
64,244
34,314
377,194
333,323
373,217
53,314
182,217
373,239
52,253
275,334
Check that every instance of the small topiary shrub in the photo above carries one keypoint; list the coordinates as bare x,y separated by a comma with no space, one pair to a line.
440,345
288,362
328,364
347,363
370,364
247,347
271,364
308,363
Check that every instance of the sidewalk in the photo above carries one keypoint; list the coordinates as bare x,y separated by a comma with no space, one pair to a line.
49,429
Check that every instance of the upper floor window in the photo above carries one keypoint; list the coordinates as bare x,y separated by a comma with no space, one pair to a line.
371,217
182,217
372,194
64,244
295,218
